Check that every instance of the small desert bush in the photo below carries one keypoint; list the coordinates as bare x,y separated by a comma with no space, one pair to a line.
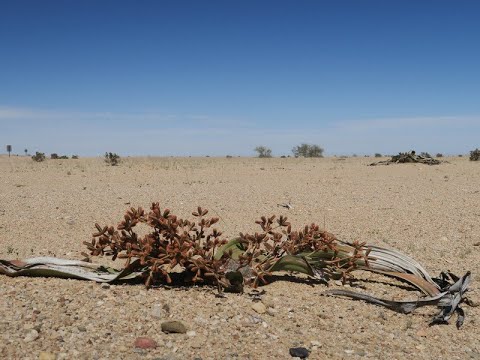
75,157
54,156
439,155
307,150
378,155
475,155
263,152
112,158
38,157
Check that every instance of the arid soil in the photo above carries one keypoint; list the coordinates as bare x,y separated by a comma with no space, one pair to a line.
431,213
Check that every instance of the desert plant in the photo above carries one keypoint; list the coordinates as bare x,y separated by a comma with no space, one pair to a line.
425,154
475,155
409,157
38,157
307,150
263,152
75,157
377,155
9,149
26,152
112,158
54,156
189,252
439,155
64,157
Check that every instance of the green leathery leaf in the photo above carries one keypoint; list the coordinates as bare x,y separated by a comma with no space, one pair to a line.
235,245
293,263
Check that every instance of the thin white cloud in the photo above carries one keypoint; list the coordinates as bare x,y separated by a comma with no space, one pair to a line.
155,133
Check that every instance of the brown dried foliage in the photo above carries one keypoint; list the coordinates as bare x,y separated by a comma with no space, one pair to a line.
194,248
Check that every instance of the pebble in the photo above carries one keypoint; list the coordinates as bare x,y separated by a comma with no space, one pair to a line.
259,307
46,356
32,335
174,326
145,343
157,311
105,286
268,302
191,333
271,311
422,333
361,352
299,352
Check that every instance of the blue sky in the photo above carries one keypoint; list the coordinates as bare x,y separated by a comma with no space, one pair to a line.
220,77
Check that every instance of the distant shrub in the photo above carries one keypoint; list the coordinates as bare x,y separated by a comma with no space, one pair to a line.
283,156
439,155
112,158
38,157
229,156
55,156
425,154
475,155
307,150
378,155
263,152
75,157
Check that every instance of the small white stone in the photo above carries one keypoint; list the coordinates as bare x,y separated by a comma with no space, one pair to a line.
259,307
32,335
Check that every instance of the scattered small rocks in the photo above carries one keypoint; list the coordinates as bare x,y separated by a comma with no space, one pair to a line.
174,326
145,343
299,352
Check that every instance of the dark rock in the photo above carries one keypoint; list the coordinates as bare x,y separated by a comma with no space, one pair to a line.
300,352
174,326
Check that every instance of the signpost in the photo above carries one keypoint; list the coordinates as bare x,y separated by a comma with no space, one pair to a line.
9,149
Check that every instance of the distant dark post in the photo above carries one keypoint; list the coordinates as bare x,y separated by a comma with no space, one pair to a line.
26,152
9,149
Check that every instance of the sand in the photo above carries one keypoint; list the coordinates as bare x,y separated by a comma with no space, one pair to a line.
49,208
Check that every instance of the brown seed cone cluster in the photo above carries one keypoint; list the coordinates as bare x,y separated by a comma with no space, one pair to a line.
195,252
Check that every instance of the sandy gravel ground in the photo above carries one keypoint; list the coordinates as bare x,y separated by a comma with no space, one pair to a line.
429,212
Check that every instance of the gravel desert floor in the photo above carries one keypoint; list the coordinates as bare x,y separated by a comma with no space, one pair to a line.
431,213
